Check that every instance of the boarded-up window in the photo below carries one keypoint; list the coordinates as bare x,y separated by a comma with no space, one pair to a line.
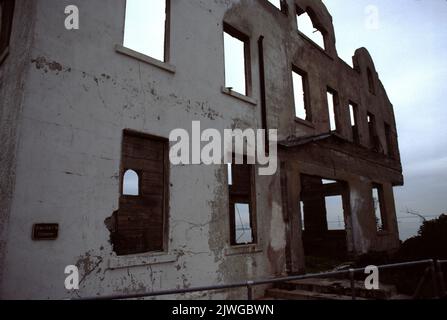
141,221
242,205
6,15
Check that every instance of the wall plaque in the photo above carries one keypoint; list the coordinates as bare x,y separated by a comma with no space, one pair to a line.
45,231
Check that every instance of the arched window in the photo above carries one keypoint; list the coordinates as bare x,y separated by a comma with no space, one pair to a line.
308,28
131,183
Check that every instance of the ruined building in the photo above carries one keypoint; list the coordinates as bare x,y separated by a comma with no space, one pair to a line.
81,113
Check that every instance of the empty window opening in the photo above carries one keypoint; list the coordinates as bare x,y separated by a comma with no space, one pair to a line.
276,3
300,94
140,223
237,61
371,86
335,213
326,181
353,115
146,27
302,215
230,174
244,231
6,16
131,183
332,105
379,208
242,205
308,28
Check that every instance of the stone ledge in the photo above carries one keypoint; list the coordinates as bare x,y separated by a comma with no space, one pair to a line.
244,249
140,261
239,96
144,58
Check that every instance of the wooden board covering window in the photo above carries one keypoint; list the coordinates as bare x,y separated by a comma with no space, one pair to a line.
242,191
140,223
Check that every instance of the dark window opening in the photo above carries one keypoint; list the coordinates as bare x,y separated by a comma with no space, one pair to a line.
307,25
237,61
353,115
6,17
140,224
146,28
390,142
379,208
374,141
371,86
242,204
301,94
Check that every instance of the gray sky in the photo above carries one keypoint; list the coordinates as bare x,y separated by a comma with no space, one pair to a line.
408,48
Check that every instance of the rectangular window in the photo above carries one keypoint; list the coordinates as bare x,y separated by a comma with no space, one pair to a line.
373,138
353,114
6,16
301,94
332,100
335,213
379,207
237,61
147,27
140,224
242,205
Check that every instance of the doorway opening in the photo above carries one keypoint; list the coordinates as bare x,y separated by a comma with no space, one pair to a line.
324,206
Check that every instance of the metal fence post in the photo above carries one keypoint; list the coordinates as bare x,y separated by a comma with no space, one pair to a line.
434,279
352,278
441,280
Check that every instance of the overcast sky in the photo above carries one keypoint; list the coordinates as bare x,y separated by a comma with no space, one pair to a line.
409,47
409,50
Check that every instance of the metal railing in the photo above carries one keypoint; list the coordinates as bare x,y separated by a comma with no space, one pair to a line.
433,271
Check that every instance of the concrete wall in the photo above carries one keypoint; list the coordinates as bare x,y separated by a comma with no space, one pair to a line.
13,73
81,93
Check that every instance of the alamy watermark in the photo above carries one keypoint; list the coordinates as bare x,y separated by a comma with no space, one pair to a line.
211,147
372,20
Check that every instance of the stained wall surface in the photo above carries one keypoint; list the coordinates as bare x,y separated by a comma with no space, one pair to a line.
70,95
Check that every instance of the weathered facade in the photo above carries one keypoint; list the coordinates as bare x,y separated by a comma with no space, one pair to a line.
68,97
